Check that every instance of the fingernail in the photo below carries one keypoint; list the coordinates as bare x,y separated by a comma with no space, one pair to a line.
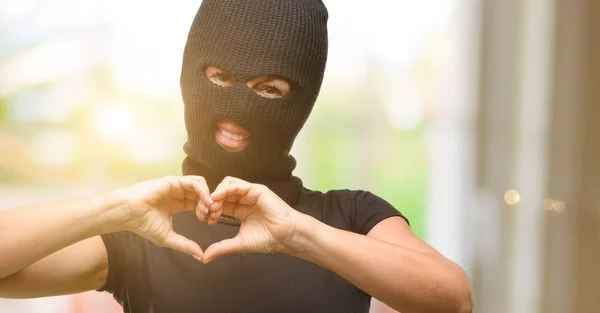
205,210
198,258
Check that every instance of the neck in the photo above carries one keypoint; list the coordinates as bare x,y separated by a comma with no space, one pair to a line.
285,185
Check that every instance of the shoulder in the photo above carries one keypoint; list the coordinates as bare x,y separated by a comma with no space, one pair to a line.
361,199
345,199
361,209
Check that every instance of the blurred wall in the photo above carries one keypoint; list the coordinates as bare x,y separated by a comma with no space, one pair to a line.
580,48
539,134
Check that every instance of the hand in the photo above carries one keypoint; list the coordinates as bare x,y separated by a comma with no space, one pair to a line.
269,225
150,206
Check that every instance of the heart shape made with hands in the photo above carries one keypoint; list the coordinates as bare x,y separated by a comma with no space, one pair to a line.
268,223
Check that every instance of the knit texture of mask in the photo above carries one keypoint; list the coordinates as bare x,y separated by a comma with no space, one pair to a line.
251,38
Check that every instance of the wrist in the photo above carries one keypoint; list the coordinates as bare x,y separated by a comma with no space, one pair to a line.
112,209
307,232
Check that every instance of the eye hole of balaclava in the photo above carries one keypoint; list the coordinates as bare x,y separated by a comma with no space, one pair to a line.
270,86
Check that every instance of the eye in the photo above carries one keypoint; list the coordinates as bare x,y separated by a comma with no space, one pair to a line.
220,77
269,92
269,86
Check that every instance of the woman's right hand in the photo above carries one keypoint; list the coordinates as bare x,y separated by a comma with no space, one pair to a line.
149,207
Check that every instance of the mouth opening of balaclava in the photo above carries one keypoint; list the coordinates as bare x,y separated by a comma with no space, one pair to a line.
248,39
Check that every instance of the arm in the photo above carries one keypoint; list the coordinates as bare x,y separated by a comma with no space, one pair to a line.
34,262
55,248
404,272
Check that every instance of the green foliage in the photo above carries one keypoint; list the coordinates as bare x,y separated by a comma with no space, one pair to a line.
351,151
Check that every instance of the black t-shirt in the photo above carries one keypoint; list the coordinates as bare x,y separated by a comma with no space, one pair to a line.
146,278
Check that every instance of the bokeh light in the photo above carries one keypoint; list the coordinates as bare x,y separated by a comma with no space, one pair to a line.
115,122
554,205
512,197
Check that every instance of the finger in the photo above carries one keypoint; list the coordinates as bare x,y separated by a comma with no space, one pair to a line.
221,248
231,190
175,206
200,205
200,215
190,205
193,191
229,181
223,183
214,217
197,185
234,180
176,190
205,196
237,210
244,193
215,207
180,243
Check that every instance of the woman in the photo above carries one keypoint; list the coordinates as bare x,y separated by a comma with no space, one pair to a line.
251,73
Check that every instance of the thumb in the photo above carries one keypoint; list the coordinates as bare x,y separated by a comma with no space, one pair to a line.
221,248
180,243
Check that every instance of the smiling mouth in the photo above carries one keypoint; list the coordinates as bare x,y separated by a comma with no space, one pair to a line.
231,136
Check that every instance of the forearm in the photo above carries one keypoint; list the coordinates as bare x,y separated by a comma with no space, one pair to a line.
31,233
406,280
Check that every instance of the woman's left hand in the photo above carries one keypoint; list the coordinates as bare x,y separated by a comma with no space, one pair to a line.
269,225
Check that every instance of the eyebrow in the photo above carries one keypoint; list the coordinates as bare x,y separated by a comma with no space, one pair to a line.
270,78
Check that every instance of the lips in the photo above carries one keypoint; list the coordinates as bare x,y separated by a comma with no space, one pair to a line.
231,136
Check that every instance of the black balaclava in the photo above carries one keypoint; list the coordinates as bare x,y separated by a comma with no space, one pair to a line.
250,38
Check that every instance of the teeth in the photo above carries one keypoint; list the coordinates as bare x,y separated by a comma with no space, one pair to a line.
231,136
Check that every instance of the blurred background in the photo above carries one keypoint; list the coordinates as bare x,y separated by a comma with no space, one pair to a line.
477,119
